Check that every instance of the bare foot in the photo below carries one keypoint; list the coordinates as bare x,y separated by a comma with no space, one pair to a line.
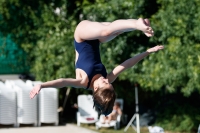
144,25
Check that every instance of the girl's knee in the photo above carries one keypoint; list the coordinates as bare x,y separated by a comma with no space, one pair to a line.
83,23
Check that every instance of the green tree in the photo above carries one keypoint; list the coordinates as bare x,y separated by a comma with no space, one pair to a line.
177,67
44,29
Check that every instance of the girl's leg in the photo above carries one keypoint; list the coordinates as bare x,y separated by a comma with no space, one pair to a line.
87,30
109,37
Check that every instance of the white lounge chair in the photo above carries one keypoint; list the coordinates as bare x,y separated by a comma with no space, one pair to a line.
8,106
26,107
86,113
113,123
47,104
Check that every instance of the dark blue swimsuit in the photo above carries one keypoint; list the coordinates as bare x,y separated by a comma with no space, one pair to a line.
89,59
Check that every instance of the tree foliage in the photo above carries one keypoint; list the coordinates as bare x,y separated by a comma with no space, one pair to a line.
177,67
44,29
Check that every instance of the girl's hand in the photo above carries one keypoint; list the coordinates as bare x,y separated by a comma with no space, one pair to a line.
36,89
155,49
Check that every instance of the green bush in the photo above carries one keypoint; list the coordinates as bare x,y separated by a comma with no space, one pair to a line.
179,117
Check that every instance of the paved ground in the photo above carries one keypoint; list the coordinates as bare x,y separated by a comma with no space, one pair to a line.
68,128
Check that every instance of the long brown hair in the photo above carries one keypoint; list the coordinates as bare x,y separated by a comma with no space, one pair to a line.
104,100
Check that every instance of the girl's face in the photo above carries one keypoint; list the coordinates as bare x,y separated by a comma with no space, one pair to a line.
104,83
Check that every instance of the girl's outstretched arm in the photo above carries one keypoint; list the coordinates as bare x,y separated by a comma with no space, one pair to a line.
131,62
59,83
88,30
